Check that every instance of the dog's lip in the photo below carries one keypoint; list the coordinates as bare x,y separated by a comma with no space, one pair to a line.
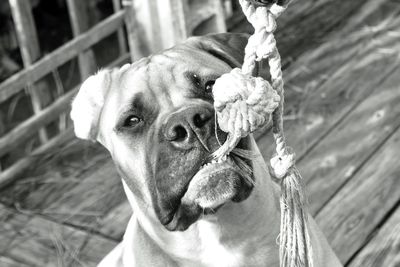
209,168
213,185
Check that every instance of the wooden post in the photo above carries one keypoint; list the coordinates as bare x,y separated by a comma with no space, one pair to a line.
183,18
228,8
219,24
147,17
77,10
21,11
138,46
178,19
168,22
121,36
173,25
220,17
211,17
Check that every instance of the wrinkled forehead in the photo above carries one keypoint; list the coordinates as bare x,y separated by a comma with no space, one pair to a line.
161,80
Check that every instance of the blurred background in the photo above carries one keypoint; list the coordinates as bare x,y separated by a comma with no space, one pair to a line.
61,200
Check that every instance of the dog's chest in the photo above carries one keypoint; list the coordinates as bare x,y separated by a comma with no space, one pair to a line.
216,248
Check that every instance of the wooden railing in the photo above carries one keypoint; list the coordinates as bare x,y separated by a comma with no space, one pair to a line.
171,22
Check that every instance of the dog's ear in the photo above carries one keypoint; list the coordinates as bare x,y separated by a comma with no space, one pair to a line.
88,104
229,47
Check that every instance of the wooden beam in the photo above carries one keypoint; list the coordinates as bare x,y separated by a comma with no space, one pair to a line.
121,35
15,83
228,8
26,32
146,15
30,51
78,14
173,21
28,128
205,17
138,46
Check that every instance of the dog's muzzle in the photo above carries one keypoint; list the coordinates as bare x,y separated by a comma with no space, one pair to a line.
189,183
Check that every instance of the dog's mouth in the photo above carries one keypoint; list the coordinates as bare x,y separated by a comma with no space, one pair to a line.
214,184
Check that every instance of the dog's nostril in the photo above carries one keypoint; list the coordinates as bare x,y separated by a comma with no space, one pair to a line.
199,120
180,133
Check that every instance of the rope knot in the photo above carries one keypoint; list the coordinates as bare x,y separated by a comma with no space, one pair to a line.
281,164
243,104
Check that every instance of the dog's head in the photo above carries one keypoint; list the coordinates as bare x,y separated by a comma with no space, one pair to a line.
156,118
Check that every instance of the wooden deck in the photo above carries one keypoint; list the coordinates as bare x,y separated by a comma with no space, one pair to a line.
343,120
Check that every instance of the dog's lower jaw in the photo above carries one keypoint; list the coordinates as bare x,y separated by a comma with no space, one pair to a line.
239,234
185,216
206,195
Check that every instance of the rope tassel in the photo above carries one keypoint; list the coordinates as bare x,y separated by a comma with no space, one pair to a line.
244,103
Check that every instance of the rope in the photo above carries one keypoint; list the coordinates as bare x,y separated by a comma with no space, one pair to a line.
244,103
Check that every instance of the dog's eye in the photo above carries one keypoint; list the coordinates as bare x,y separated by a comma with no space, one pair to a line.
209,86
131,121
196,80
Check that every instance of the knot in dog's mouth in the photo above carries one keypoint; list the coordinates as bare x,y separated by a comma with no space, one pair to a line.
214,184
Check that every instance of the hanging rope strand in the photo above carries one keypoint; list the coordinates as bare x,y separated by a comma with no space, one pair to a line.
244,103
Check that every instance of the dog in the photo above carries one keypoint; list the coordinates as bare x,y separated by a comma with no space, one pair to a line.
156,119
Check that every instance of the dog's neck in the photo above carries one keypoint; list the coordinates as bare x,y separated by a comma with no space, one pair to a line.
244,233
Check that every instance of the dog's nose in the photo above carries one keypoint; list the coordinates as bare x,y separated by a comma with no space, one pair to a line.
186,127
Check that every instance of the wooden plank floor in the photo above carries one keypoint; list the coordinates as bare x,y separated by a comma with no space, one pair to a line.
342,77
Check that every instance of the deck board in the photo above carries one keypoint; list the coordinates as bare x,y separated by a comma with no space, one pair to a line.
8,262
352,142
383,249
359,207
316,101
80,186
35,241
307,24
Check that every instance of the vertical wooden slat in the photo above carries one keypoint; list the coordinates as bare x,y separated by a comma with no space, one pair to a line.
166,22
21,11
121,36
228,8
145,15
138,46
205,17
77,10
173,26
218,21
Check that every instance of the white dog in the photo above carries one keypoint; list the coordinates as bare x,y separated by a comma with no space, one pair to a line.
156,118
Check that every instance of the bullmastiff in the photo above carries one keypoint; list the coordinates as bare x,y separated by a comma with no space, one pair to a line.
156,119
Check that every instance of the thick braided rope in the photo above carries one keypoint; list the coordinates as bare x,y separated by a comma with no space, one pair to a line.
238,116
